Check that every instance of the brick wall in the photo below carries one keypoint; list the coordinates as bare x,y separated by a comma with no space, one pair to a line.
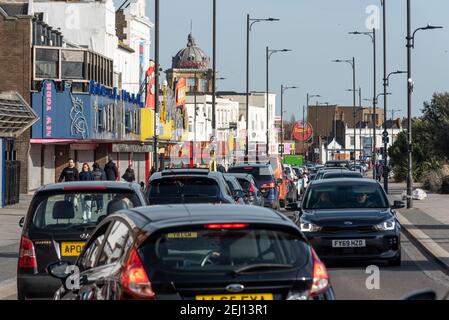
15,63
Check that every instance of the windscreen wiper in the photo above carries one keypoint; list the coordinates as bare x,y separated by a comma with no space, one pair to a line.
255,267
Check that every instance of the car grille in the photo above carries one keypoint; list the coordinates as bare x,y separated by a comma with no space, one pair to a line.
361,229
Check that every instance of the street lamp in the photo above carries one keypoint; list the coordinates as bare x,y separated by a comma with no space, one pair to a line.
372,35
156,79
352,63
283,89
269,53
410,45
249,24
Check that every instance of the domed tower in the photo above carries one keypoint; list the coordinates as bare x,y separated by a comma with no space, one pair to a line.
193,64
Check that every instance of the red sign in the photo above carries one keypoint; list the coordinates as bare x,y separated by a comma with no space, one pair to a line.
302,131
151,94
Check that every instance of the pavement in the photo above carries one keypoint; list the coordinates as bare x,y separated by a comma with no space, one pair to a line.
427,223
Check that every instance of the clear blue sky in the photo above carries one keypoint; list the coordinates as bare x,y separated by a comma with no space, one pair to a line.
316,30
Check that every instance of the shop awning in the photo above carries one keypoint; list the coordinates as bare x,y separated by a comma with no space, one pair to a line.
16,115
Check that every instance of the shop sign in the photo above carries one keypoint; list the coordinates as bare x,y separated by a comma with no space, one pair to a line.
136,148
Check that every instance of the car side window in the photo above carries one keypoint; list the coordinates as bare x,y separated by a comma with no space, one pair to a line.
90,255
114,246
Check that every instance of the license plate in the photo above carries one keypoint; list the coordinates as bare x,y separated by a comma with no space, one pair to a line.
348,243
248,296
71,249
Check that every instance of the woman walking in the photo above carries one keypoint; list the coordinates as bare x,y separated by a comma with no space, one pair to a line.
86,175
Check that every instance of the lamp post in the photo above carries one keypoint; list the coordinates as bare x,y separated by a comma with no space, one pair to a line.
156,77
269,53
352,63
372,35
249,24
393,111
410,45
283,89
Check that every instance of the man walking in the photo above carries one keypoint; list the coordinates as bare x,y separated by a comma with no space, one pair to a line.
69,173
111,171
129,175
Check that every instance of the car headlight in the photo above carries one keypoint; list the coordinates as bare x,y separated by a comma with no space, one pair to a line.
386,225
307,226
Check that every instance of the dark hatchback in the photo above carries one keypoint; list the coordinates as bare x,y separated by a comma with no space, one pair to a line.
197,252
249,186
351,219
240,197
266,182
55,227
175,186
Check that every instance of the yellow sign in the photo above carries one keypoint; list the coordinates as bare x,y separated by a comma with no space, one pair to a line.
71,249
248,296
182,235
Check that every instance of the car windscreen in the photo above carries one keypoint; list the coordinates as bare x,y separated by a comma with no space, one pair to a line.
261,174
183,187
222,250
345,196
68,210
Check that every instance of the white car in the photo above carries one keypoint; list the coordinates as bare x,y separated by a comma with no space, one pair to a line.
292,175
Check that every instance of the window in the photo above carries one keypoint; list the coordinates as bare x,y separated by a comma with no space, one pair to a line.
72,64
87,260
127,122
47,63
191,85
352,140
114,246
100,120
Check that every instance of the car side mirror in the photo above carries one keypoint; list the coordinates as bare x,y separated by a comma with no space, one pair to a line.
398,205
59,270
422,295
21,222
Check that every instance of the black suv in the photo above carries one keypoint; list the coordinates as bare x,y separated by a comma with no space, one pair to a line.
174,186
59,221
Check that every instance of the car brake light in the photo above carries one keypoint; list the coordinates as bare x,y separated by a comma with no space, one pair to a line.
134,279
248,168
27,255
320,276
251,188
269,185
226,226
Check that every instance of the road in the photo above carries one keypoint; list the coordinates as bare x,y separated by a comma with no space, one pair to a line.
349,280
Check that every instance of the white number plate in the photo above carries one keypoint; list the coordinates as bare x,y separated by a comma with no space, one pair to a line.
348,243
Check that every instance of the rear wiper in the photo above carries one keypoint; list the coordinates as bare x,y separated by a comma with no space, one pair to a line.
255,267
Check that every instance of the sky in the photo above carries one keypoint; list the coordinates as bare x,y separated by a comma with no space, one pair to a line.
317,32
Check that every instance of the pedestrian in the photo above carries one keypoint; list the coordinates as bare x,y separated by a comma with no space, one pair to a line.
221,168
86,175
212,162
111,171
129,175
98,175
69,173
152,171
379,172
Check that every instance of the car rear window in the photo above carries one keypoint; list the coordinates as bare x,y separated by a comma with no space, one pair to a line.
341,175
222,250
67,210
260,174
345,196
179,187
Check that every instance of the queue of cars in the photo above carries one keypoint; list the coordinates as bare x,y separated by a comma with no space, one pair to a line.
158,243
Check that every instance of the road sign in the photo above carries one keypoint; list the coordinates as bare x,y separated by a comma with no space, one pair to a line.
302,131
281,148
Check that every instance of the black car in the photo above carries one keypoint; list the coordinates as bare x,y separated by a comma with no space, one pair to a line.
249,186
333,174
265,179
337,164
351,219
323,171
240,196
174,186
60,219
197,252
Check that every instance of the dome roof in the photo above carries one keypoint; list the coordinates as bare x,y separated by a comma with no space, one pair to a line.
191,57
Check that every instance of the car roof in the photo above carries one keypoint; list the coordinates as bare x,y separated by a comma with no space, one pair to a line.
163,216
345,181
342,173
241,175
205,173
88,185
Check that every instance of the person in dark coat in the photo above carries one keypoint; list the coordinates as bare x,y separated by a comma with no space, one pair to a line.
69,173
99,175
111,170
86,175
129,175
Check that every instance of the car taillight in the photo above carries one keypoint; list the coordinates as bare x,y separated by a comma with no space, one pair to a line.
27,255
320,277
134,278
226,225
269,185
251,188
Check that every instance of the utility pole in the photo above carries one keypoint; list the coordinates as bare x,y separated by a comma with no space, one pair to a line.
156,77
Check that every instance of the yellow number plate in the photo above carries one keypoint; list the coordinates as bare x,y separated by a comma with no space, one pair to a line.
71,249
248,296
